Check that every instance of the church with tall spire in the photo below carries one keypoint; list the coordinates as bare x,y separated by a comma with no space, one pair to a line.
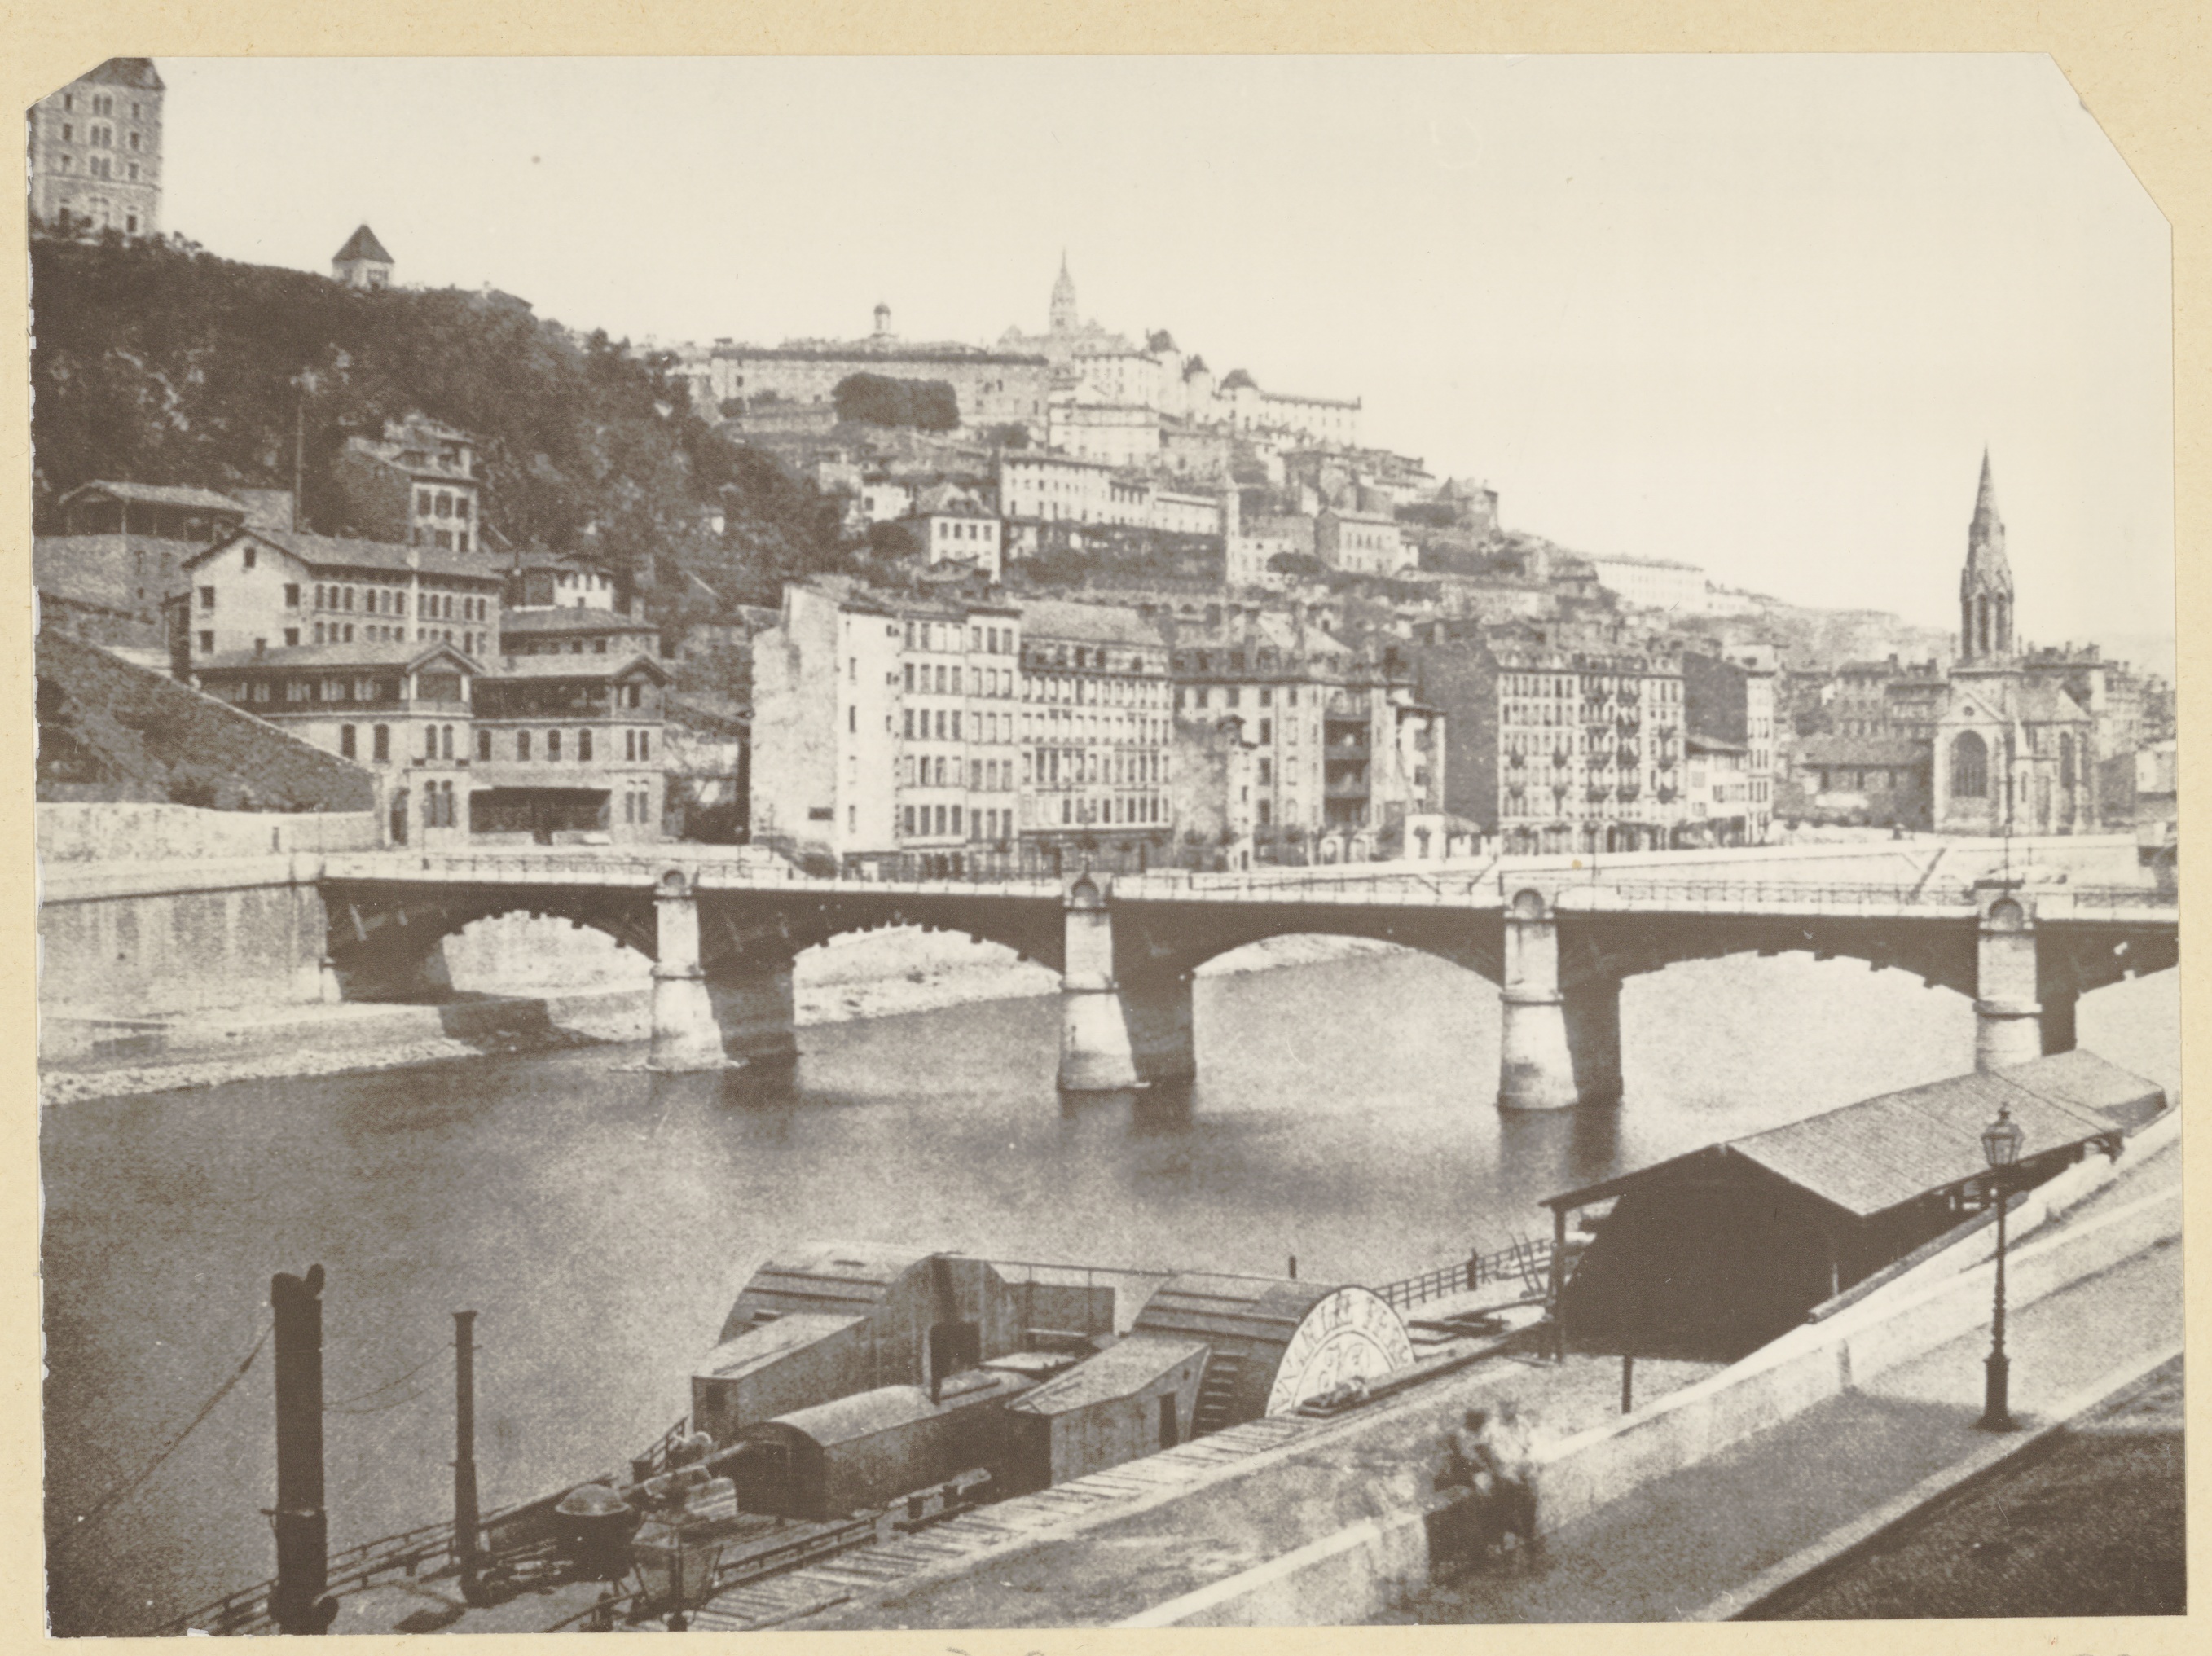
1985,583
1064,317
2015,749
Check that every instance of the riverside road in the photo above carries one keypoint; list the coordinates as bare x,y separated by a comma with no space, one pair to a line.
600,1218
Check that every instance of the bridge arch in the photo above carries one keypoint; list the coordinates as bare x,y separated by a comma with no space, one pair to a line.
1146,941
384,940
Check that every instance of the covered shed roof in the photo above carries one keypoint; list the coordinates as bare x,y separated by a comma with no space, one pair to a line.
1880,1153
888,1408
1122,1369
831,1278
196,499
770,1343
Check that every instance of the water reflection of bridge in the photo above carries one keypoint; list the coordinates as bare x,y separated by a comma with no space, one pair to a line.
1558,943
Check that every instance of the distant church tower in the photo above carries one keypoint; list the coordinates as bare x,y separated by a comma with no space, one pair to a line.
1985,584
1064,318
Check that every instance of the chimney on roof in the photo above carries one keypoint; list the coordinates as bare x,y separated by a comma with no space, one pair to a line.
260,647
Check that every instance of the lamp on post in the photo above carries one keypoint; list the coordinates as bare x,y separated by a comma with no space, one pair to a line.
2000,1141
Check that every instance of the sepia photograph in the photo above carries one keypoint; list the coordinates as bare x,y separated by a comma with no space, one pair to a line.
955,842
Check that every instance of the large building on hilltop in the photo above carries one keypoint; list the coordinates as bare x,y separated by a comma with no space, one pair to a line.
993,388
96,150
1096,369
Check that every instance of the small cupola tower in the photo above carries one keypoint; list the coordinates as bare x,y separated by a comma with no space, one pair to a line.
883,320
362,262
1985,584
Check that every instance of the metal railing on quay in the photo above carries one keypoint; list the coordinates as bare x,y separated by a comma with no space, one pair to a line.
1523,1261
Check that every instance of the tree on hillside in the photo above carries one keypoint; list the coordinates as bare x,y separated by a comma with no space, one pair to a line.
155,364
875,400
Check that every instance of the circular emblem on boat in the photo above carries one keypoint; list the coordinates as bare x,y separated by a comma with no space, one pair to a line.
1353,1334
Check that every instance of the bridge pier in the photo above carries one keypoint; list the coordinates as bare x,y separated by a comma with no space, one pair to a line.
686,1034
1535,1060
1156,1012
753,1011
2008,1019
1592,1011
2058,1021
1095,1051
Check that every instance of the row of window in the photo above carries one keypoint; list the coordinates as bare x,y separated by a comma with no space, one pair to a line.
446,540
102,166
637,746
441,503
99,135
100,213
343,632
101,103
982,775
1113,692
1232,694
1126,812
993,822
1069,767
944,636
922,679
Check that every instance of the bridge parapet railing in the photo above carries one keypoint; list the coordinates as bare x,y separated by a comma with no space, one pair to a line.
1791,895
2104,902
1394,890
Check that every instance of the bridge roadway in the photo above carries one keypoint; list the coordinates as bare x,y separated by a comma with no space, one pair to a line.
723,930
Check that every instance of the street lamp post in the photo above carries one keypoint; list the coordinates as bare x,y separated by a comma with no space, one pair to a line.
2000,1141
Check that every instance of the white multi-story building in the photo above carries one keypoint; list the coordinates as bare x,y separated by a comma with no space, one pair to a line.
1039,487
1120,433
884,727
1654,583
960,534
1178,513
259,590
825,746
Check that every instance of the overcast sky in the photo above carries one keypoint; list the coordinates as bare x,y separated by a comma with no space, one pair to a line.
1758,313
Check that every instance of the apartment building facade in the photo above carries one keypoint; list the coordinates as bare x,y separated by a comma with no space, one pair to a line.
885,729
1097,735
1554,747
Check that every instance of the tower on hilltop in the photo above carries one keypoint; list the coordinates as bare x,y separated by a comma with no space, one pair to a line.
96,151
1985,583
362,262
1063,318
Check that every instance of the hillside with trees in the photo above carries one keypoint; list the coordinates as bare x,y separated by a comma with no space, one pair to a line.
163,364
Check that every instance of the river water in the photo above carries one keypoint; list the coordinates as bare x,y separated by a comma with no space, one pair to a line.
601,1219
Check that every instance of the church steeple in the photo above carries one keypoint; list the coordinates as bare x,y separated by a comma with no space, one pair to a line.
1063,315
1985,583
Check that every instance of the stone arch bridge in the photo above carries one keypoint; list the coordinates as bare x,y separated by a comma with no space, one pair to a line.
723,938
